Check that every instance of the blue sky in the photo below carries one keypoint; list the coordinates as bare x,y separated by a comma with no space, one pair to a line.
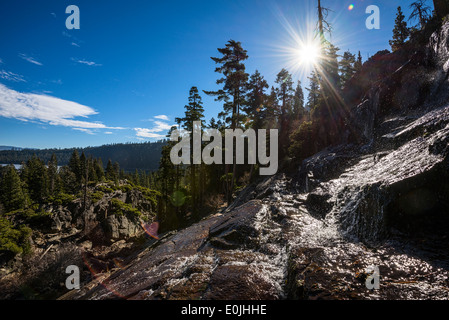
126,73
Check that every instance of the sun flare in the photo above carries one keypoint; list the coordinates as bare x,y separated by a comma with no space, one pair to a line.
308,54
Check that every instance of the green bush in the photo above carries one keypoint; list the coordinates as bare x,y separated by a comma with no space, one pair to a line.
105,189
120,208
92,184
126,188
96,196
61,199
150,195
15,240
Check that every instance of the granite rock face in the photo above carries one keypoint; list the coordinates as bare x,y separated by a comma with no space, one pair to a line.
384,209
317,233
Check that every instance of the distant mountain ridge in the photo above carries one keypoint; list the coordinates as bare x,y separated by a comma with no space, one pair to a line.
130,156
3,148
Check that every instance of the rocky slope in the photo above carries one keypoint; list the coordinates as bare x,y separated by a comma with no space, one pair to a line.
103,232
311,234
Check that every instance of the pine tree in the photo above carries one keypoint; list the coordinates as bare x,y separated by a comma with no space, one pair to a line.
271,110
166,176
83,169
12,195
359,63
118,174
212,123
298,105
347,67
256,100
194,112
37,179
285,96
52,175
400,31
75,166
234,81
92,172
314,91
232,94
110,172
99,170
284,91
330,78
68,180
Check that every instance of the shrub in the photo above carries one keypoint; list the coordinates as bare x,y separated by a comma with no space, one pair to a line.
150,195
120,208
45,274
15,240
61,199
105,189
126,188
96,196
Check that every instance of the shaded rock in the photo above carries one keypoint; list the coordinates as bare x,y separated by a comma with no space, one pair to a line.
318,203
238,282
121,227
241,227
61,219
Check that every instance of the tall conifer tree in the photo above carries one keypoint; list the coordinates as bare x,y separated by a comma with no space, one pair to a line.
400,31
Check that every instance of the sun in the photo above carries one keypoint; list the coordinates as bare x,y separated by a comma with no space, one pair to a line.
308,54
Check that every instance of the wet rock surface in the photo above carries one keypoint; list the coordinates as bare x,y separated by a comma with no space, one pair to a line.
381,201
319,233
388,211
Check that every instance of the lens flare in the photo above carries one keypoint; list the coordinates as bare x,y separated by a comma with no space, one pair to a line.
308,54
351,6
151,229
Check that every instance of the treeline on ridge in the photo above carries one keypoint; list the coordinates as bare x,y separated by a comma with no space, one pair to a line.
130,156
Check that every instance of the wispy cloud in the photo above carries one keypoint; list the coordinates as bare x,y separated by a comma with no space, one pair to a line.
156,131
137,93
147,133
88,63
88,131
46,109
108,132
1,61
10,76
75,41
161,126
53,14
29,59
162,117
